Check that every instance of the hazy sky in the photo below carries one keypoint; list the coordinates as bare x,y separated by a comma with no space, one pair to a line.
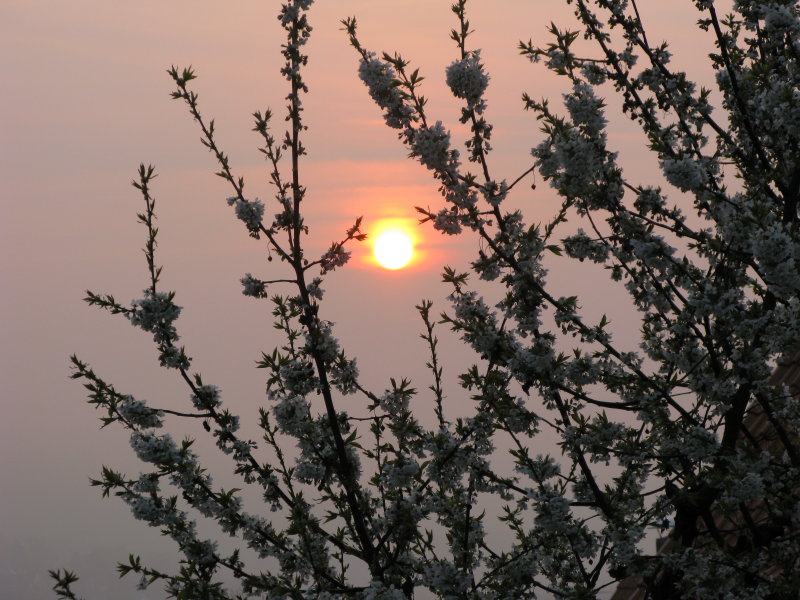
86,99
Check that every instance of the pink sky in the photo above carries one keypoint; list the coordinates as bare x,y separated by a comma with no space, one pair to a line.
86,100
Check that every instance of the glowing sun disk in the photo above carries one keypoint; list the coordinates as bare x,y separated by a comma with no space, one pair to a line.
393,249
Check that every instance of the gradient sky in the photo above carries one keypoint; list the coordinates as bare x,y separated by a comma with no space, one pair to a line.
86,99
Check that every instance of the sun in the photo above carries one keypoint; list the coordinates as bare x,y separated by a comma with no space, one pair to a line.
393,249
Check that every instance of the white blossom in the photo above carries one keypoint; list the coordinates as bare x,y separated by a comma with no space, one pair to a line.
586,109
380,79
336,257
250,212
155,313
379,591
684,173
467,79
432,146
206,397
136,412
253,287
173,358
155,449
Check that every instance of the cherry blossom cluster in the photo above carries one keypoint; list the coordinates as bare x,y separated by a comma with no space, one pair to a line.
654,438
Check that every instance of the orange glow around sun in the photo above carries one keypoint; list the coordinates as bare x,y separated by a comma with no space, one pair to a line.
393,243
